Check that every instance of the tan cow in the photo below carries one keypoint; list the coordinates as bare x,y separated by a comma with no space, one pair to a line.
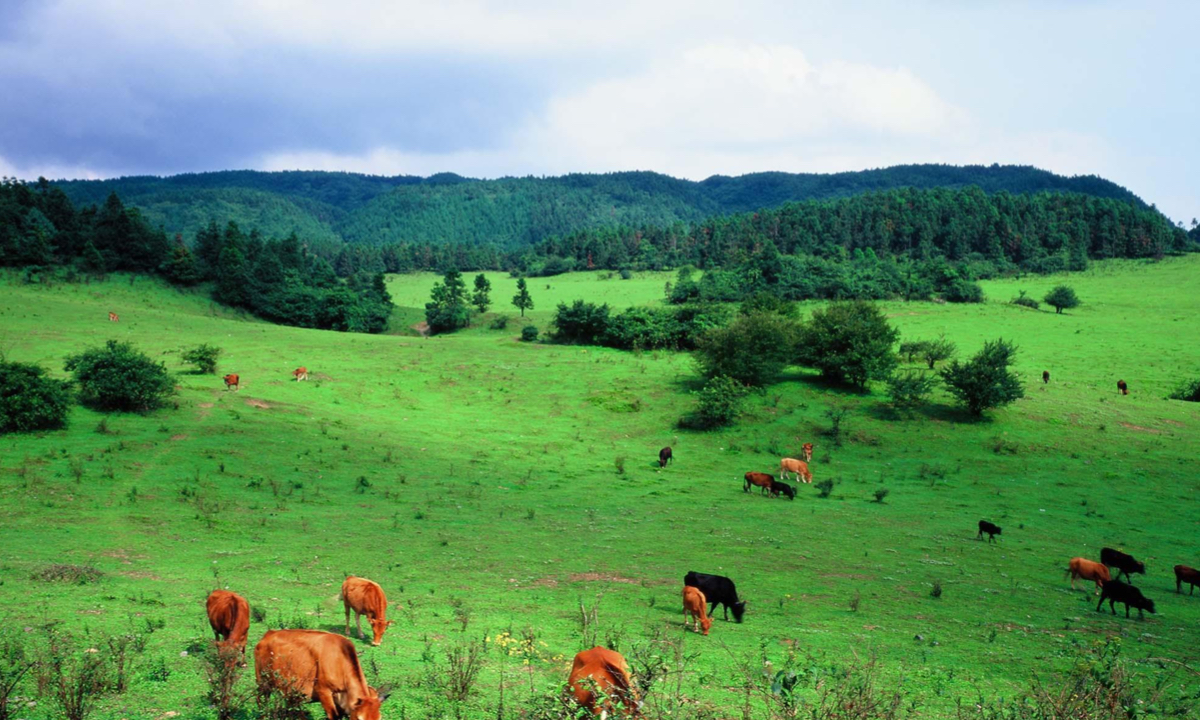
318,665
1088,570
365,598
696,606
112,317
300,373
799,468
229,616
600,683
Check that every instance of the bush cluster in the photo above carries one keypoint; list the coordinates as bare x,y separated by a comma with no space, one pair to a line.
118,377
30,401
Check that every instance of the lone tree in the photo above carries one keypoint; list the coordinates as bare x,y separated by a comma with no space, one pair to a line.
1062,298
934,351
984,381
118,377
447,309
849,342
480,298
31,401
522,299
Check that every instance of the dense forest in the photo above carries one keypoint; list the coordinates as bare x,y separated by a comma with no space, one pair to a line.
279,280
327,208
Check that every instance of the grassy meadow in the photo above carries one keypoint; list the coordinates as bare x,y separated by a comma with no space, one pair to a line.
493,486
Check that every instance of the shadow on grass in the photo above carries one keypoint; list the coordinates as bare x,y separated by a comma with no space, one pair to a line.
927,411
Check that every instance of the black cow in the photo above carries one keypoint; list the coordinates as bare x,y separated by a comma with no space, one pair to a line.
1116,591
1045,376
664,457
1122,387
781,487
1185,574
990,529
719,590
1125,564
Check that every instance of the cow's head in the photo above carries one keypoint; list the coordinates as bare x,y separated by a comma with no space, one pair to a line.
1149,606
739,609
379,626
366,708
706,624
1140,567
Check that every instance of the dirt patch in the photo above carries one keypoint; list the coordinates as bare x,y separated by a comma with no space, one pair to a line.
258,404
605,577
139,575
1139,428
206,405
544,582
179,437
320,376
1176,423
848,576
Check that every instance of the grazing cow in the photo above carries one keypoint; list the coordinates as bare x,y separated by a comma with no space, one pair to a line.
1122,562
719,590
1115,591
300,373
762,480
1122,387
1088,570
778,488
806,448
695,605
1045,376
1185,574
318,665
112,317
231,381
799,468
989,528
365,598
600,684
229,616
664,457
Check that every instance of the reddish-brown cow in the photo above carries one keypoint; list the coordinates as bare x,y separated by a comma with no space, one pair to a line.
762,480
1185,574
695,605
321,666
1088,570
112,317
365,598
229,616
600,683
231,381
300,373
807,448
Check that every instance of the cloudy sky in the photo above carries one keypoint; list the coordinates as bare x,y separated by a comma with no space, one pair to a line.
97,88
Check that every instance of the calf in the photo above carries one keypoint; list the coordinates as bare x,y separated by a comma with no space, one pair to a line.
300,373
762,480
1122,562
694,605
231,381
719,590
1088,570
1122,387
112,317
1185,574
990,529
664,457
807,449
778,488
1045,376
1116,591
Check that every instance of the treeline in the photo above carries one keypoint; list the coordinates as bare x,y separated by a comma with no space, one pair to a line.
327,208
279,280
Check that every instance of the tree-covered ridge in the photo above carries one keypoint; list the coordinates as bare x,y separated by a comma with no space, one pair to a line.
516,212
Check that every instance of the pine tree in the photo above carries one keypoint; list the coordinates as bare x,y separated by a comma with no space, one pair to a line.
522,299
480,298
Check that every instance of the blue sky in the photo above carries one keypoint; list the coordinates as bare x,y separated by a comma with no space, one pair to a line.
97,88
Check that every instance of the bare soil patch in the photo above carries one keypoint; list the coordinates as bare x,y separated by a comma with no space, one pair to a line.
606,577
1139,428
258,404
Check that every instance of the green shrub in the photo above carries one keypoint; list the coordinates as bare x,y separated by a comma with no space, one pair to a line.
204,357
499,322
909,390
824,488
912,349
718,404
118,377
984,381
529,333
963,291
753,349
1188,391
934,351
1061,298
31,401
447,309
849,342
1025,301
581,322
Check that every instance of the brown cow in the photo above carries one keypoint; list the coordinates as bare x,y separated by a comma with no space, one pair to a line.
112,317
696,606
229,616
319,665
600,683
1122,387
231,381
1088,570
806,448
762,480
365,598
300,373
665,456
799,468
1185,574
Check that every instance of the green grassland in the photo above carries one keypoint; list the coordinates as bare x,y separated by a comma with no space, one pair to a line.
476,478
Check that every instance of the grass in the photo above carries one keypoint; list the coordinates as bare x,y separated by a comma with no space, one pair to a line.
494,486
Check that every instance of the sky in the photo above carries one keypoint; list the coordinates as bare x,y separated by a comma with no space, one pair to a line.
104,88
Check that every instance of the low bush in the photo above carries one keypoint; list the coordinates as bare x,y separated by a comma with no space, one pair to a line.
203,357
1188,391
499,322
909,390
118,377
824,488
74,574
529,333
1025,301
963,291
718,404
30,401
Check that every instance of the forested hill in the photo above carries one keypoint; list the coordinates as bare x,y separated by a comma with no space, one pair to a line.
327,208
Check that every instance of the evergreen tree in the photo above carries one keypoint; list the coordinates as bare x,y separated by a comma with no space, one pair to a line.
480,298
522,300
447,309
181,268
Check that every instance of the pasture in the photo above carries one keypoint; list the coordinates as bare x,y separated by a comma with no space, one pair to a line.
492,486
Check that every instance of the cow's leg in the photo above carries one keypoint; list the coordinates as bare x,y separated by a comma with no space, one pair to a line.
358,623
325,697
1100,604
347,619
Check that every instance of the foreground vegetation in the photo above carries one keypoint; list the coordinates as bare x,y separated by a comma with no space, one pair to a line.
495,487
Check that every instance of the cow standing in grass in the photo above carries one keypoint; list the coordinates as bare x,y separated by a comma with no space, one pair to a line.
807,449
695,605
762,480
719,590
799,468
1122,387
1088,570
782,488
665,456
1185,574
365,597
229,616
320,666
1046,376
300,373
600,683
232,381
1115,591
1125,564
112,317
991,529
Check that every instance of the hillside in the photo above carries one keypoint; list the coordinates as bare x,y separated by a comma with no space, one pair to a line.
491,491
514,212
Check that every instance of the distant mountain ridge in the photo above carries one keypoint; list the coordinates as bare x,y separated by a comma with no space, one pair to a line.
329,208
